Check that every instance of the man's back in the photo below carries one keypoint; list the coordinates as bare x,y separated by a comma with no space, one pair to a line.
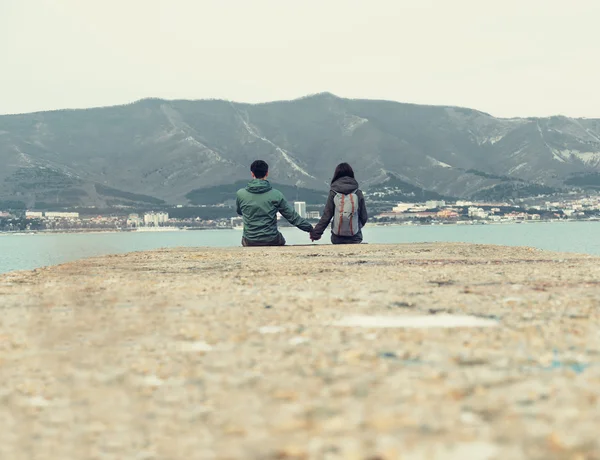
259,204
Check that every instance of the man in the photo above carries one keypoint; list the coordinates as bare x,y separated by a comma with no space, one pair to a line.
259,203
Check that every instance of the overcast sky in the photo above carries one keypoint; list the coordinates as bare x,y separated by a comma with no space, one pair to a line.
505,57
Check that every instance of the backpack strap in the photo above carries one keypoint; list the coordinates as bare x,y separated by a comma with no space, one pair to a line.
341,215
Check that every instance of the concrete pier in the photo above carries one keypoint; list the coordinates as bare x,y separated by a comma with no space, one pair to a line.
416,351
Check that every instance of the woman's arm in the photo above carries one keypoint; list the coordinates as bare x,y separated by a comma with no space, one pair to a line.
363,216
325,218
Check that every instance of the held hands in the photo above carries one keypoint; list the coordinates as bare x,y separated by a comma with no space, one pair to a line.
314,237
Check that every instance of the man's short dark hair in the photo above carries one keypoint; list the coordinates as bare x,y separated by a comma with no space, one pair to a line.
260,169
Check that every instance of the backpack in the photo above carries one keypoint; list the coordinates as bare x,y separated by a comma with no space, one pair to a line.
345,218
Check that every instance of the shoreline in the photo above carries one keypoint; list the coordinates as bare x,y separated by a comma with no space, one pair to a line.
369,224
66,232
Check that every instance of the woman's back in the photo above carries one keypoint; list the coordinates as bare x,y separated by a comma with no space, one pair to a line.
349,216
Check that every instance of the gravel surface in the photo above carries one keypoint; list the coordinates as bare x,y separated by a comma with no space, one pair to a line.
419,351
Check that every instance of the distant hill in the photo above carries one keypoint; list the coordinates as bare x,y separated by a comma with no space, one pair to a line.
585,180
156,151
393,189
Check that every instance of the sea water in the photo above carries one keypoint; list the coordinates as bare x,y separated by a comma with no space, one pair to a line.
28,251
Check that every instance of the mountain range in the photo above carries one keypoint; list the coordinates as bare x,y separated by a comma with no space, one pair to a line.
157,151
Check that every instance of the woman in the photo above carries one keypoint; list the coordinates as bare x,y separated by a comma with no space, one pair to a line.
346,206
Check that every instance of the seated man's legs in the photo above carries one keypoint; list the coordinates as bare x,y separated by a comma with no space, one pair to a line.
279,241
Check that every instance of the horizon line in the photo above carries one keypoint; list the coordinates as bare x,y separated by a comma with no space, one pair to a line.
276,101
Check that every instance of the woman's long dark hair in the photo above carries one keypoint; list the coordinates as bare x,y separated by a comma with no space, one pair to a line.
342,170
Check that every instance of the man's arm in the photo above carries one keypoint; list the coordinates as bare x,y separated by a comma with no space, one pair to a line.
292,216
237,206
363,216
325,218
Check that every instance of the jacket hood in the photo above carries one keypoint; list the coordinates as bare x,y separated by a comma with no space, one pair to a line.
344,185
259,186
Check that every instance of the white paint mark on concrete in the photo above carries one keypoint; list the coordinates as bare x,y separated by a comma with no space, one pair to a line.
38,401
415,322
512,300
297,340
270,329
479,450
195,346
151,381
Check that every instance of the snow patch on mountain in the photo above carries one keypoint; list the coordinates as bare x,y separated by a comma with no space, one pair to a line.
174,119
439,163
190,140
493,140
204,150
23,157
482,139
517,152
592,134
589,158
558,157
163,136
352,122
516,168
556,154
284,153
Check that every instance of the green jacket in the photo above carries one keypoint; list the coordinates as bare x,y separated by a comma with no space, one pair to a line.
259,203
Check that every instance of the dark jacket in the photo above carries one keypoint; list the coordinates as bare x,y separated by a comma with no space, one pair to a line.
259,203
342,185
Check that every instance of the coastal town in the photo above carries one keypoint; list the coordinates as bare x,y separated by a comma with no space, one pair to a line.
432,212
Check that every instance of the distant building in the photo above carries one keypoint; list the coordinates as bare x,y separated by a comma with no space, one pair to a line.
391,215
134,220
447,214
517,216
61,215
300,208
477,212
154,219
403,207
433,204
315,215
34,214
